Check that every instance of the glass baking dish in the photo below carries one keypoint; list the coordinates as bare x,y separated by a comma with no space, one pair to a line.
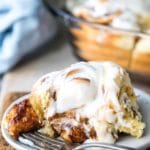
97,42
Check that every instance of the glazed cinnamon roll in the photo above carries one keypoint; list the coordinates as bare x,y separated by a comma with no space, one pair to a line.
86,101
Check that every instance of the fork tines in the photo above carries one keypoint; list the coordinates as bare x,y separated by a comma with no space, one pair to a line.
42,142
39,141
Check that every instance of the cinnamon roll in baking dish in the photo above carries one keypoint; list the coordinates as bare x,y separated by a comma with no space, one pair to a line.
87,101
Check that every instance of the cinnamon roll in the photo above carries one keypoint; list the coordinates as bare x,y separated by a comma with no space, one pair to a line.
86,101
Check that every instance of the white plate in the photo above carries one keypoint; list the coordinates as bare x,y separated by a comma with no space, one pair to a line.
142,143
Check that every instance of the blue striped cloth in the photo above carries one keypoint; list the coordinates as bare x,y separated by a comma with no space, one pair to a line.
24,26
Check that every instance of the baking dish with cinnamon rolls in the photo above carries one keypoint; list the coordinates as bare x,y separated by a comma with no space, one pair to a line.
99,40
109,30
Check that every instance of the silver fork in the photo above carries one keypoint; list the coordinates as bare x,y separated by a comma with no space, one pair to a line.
38,141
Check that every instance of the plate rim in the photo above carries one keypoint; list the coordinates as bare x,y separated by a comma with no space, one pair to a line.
18,145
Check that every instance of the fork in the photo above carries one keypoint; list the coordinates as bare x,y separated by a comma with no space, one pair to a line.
39,141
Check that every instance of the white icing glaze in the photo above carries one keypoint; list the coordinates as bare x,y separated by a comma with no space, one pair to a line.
88,91
126,21
131,10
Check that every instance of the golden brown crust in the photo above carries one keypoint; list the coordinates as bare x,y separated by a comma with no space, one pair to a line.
141,63
64,126
95,44
69,132
68,114
36,103
21,118
77,134
9,98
